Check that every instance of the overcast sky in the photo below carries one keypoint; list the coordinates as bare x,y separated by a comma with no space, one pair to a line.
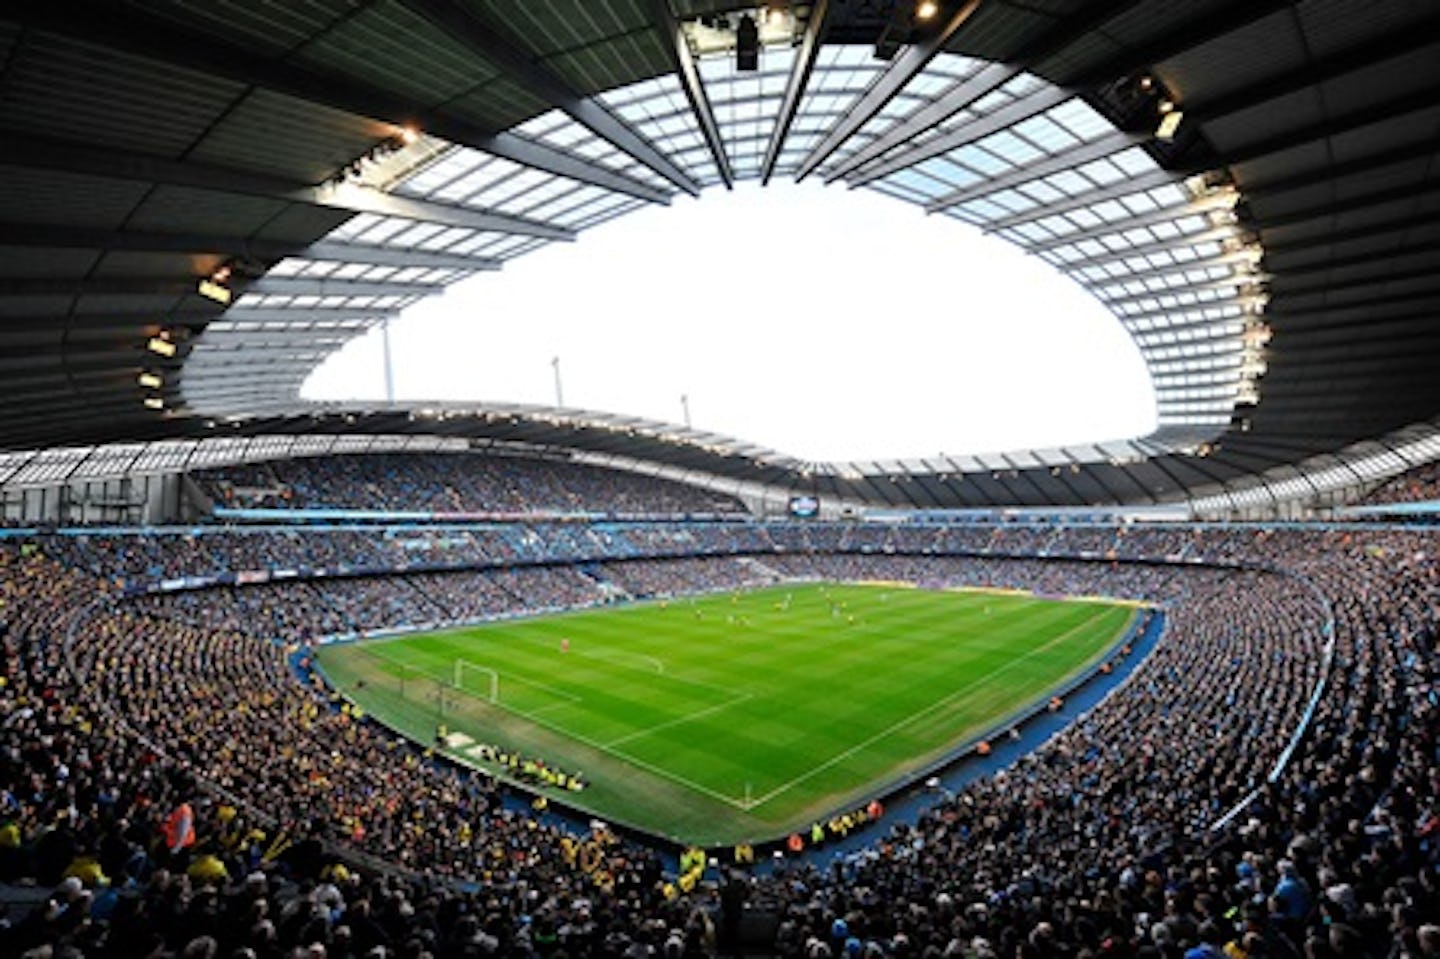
824,323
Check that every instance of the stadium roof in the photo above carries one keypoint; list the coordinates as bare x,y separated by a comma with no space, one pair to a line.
152,144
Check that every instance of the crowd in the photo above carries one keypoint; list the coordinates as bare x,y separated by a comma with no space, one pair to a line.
1414,486
453,483
299,611
143,558
646,578
173,751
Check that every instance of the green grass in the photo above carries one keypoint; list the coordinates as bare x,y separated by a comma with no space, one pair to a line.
736,716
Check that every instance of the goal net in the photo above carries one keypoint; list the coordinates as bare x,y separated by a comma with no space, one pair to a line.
482,680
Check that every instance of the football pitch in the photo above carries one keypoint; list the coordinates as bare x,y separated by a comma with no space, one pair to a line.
736,716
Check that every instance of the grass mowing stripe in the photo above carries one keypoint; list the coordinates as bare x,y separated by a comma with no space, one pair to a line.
901,724
758,689
680,720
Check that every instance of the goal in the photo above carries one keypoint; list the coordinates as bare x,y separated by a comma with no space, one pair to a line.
464,665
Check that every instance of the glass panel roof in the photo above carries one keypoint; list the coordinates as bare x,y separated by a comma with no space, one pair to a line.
1049,174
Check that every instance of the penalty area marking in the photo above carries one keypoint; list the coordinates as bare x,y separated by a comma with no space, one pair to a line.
534,717
901,724
625,757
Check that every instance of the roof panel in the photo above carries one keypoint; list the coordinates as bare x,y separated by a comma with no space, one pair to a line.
272,28
147,106
284,136
179,209
385,44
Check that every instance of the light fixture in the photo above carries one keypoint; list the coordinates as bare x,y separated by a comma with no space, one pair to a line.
154,403
150,380
926,10
222,273
212,290
161,346
1169,122
409,135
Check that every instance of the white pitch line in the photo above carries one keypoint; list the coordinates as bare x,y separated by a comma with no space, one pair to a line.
865,744
681,720
625,757
536,684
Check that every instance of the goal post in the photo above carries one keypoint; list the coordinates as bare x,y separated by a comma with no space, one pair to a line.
464,665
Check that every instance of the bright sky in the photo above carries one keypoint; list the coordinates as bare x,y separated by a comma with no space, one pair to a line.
824,323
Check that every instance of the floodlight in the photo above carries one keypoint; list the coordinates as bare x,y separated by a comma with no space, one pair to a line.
154,403
150,380
210,289
926,10
1169,123
161,345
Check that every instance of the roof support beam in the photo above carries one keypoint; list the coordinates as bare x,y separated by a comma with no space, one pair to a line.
1345,342
1214,235
1368,115
795,87
307,314
1358,259
1177,317
1044,45
1224,364
1361,202
688,72
1425,149
987,79
1107,145
273,339
1174,269
1188,35
901,71
1278,297
1126,187
365,199
1386,47
179,286
84,238
1358,233
1364,303
395,256
1167,214
326,286
1002,119
463,24
1149,341
20,150
1093,475
1382,341
134,31
1194,463
101,286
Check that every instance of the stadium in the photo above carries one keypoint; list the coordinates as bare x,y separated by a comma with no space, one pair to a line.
285,676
